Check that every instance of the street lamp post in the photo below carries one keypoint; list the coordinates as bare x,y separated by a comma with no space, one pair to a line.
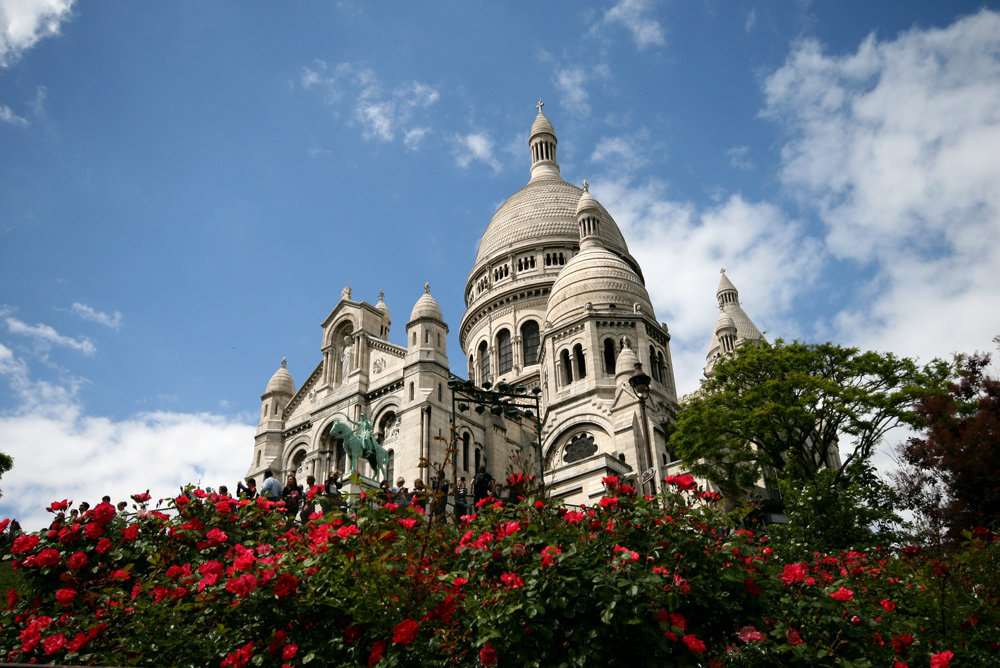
503,400
640,385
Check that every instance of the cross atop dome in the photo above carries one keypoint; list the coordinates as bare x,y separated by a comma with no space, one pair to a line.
539,105
586,189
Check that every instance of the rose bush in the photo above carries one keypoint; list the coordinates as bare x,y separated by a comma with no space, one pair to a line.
644,580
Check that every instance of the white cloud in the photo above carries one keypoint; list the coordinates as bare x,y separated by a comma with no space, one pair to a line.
475,147
8,116
87,313
894,146
622,153
634,16
415,137
59,452
47,335
751,20
681,248
738,157
24,22
382,115
571,83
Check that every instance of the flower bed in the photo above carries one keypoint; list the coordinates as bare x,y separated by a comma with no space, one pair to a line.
648,581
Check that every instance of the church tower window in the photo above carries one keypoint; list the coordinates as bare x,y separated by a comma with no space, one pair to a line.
466,437
484,362
529,342
609,356
581,363
567,369
505,356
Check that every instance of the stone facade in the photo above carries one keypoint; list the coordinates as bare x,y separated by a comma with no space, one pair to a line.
554,301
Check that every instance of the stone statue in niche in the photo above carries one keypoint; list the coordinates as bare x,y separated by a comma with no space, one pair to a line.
345,294
378,366
346,358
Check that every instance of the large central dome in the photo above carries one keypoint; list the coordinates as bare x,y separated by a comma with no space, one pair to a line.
543,211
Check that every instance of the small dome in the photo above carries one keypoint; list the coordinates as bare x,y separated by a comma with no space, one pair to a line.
541,125
587,202
426,307
381,304
281,381
724,322
596,276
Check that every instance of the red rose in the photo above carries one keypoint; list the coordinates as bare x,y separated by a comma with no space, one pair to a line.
288,653
93,530
78,561
217,535
378,649
751,587
131,532
24,543
54,643
405,632
488,655
942,660
103,546
242,585
887,604
58,505
65,596
285,585
693,643
47,557
512,580
842,594
793,573
793,637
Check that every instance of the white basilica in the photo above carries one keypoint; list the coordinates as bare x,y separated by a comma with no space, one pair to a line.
554,301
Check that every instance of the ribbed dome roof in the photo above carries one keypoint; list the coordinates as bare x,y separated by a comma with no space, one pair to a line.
724,321
598,276
426,307
542,212
587,202
281,381
542,124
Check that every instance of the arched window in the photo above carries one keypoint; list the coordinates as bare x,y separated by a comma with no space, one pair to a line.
411,391
529,342
414,339
505,356
581,364
440,392
258,458
427,337
466,438
479,459
567,369
609,356
662,367
484,362
580,447
653,369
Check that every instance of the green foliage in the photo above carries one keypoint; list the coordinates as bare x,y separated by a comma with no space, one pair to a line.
823,516
787,407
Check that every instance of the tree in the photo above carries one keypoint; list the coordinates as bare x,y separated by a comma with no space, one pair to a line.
783,413
6,464
950,476
786,408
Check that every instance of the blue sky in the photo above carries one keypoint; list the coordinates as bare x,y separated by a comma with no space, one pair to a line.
186,187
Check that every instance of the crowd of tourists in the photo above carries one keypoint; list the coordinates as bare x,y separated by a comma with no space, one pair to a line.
304,502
